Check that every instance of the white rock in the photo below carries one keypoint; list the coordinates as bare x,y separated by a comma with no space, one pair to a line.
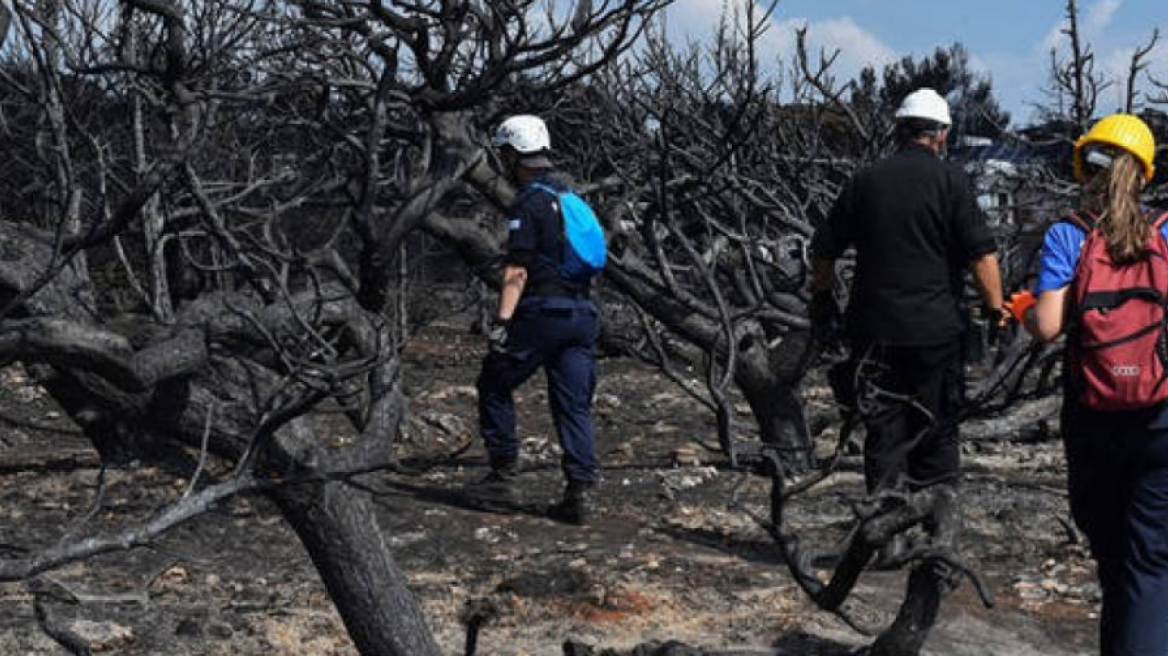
103,636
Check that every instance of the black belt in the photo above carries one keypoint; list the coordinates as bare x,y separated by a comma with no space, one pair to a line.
583,294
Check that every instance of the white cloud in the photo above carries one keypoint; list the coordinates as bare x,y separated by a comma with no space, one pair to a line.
857,46
1013,77
979,65
1116,67
1096,20
1116,63
1053,39
699,18
1099,15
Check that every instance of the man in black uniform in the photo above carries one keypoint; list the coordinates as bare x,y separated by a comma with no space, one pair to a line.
542,320
915,225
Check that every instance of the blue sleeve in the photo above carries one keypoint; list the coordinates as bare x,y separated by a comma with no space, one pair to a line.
1060,255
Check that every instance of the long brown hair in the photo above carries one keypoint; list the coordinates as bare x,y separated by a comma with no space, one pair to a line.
1113,196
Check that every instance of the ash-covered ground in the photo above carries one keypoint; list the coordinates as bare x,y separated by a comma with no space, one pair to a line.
666,558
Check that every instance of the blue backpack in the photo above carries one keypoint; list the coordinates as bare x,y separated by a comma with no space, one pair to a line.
584,251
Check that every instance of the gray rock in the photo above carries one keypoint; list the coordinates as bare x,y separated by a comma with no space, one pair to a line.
1092,592
446,422
189,628
220,630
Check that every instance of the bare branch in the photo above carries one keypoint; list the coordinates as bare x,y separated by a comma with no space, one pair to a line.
181,511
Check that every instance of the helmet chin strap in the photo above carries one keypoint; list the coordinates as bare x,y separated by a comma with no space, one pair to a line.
1098,158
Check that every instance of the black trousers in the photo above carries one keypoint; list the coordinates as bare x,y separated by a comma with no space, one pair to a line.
902,391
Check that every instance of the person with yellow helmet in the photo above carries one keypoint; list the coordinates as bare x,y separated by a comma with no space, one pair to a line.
1103,279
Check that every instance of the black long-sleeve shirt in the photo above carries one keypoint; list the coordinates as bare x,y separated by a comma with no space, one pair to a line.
915,225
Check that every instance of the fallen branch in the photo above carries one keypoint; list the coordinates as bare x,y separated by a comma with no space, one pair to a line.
43,590
179,512
51,461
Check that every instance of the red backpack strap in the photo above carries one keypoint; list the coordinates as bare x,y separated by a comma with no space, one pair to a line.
1159,221
1083,224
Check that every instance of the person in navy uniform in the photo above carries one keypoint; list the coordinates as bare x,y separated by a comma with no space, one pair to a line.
542,320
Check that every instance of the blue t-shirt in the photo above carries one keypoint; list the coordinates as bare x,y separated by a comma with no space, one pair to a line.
1060,255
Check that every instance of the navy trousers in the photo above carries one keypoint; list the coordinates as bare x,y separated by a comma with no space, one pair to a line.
557,334
1117,473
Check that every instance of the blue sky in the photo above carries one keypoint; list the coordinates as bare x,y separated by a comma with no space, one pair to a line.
1010,40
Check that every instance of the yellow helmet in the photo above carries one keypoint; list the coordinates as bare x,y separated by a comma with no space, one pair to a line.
1122,131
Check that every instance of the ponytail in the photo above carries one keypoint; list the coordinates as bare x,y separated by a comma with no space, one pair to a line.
1116,201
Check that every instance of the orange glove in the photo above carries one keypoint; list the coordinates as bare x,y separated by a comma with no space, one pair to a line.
1020,303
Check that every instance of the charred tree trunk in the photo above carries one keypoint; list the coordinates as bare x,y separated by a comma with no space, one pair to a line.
340,531
930,581
774,400
918,613
928,584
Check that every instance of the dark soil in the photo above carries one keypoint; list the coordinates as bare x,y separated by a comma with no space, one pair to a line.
664,559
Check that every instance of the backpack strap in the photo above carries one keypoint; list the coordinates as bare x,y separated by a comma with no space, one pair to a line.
561,238
1086,226
1081,223
540,186
555,193
1158,222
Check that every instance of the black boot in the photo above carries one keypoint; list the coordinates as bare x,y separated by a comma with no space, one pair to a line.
575,507
498,487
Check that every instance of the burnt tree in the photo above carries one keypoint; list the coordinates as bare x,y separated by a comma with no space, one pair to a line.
198,229
711,178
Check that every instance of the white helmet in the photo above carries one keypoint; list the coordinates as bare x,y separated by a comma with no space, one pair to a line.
926,104
525,133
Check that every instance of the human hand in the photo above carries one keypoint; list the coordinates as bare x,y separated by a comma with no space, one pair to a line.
1017,307
497,335
997,321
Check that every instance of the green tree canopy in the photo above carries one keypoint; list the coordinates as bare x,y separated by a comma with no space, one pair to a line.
975,110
